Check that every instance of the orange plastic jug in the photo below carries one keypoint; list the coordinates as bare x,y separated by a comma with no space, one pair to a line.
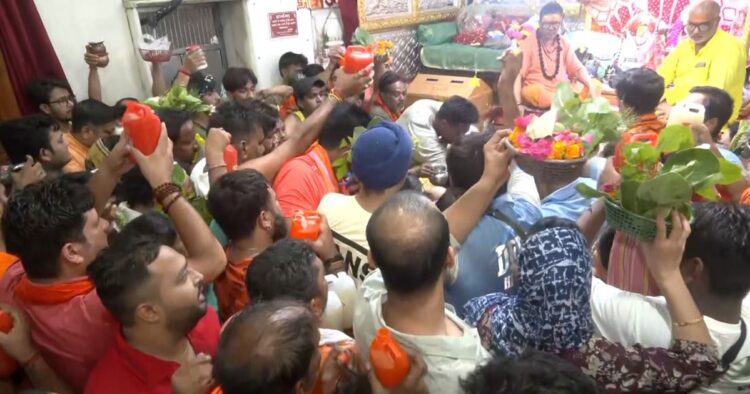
389,359
305,225
357,58
628,138
230,157
142,126
8,365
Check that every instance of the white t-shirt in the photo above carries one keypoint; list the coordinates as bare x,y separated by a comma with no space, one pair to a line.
630,318
448,358
417,121
348,221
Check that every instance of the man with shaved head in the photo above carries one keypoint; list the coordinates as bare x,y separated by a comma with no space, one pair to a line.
709,57
410,245
271,347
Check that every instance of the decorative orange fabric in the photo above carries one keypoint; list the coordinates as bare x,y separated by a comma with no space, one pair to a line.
6,260
230,289
381,103
646,123
745,199
52,294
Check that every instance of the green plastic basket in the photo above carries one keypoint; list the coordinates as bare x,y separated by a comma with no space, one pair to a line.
547,170
630,223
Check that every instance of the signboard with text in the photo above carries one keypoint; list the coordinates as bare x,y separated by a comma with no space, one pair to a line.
283,24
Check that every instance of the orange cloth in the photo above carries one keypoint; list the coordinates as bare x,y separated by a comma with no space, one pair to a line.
745,199
287,106
78,152
230,289
303,181
54,293
531,68
646,123
537,96
379,102
6,260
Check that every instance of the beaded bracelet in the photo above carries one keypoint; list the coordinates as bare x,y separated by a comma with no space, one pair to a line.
163,191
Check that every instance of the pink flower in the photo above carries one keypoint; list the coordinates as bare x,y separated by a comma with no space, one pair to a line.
524,141
588,138
524,121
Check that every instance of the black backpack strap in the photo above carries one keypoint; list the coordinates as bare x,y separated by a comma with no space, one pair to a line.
732,352
520,232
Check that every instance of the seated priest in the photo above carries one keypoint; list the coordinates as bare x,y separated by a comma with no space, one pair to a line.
548,59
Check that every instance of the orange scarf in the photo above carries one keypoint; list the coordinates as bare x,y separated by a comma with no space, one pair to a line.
646,123
52,294
6,260
380,103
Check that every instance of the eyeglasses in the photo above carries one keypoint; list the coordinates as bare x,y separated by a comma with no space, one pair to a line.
65,99
551,26
701,27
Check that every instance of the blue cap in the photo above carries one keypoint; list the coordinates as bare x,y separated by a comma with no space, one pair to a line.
381,156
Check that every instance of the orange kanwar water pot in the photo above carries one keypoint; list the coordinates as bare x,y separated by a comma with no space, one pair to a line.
305,225
230,157
142,126
357,58
389,359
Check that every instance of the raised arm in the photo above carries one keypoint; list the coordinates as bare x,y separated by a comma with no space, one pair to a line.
205,254
95,84
663,257
346,85
509,86
464,214
158,83
189,64
104,180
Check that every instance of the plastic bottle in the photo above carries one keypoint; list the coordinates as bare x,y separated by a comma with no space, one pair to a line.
356,59
8,365
305,225
142,126
230,157
389,359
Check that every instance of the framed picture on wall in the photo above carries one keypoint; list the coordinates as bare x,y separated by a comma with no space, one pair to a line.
386,14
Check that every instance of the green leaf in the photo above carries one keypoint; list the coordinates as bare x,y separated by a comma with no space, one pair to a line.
675,138
665,190
708,192
730,172
696,166
629,195
589,192
362,37
565,100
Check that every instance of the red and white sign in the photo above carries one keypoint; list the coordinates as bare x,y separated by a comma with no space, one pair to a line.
283,24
